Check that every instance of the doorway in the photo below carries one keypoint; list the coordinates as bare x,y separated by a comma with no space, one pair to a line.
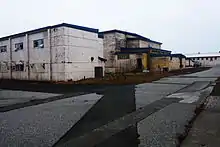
139,63
98,72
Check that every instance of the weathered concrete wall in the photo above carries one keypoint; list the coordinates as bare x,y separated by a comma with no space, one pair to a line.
149,44
133,43
109,44
5,60
208,61
112,43
39,57
144,43
19,57
80,48
66,54
126,65
159,62
174,63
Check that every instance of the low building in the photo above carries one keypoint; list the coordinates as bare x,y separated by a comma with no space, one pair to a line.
205,59
61,52
168,62
139,59
126,51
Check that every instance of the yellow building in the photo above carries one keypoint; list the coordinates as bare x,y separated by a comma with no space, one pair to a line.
167,62
139,59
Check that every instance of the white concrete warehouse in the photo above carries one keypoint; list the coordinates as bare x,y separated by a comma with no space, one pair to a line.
61,52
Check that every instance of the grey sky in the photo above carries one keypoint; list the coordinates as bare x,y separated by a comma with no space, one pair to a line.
182,25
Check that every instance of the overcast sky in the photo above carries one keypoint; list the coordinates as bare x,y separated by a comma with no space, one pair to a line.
186,26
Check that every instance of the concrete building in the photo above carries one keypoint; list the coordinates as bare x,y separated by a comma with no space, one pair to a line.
61,52
205,59
127,51
168,62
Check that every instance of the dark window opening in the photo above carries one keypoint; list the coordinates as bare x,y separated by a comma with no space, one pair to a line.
43,65
19,46
197,58
202,58
3,48
215,58
211,59
207,58
123,56
19,67
39,43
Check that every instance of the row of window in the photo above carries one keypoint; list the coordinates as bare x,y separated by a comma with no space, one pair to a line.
19,46
205,58
20,67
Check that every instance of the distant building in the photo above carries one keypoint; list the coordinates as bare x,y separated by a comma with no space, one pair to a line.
61,52
126,51
206,59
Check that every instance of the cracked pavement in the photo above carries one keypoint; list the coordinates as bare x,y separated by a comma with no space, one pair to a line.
149,114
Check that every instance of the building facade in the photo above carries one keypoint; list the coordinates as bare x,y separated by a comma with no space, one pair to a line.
205,59
121,51
62,52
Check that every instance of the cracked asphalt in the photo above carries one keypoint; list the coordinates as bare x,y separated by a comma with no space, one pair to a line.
149,114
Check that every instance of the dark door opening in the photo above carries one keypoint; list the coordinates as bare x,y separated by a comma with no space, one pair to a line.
139,63
98,72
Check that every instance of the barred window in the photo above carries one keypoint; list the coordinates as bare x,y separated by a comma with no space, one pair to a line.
123,56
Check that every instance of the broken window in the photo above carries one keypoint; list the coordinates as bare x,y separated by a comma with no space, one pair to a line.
38,43
123,56
18,46
3,48
19,67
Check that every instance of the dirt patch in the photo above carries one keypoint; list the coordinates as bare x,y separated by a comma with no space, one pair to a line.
137,78
91,85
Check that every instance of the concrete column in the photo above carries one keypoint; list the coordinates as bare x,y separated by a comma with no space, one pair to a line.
50,48
28,54
10,57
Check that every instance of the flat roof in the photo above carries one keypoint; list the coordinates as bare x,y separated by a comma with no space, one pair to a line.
92,30
139,50
132,34
216,54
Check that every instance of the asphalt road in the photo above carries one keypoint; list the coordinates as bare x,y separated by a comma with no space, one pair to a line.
150,114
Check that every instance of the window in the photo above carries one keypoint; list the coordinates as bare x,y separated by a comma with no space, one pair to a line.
197,58
207,58
215,58
202,58
18,46
3,67
123,56
3,48
39,43
19,67
193,58
211,59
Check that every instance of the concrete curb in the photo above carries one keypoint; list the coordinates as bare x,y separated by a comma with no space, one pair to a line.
205,93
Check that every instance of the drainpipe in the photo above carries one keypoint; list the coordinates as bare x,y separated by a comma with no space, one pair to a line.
50,49
10,58
28,55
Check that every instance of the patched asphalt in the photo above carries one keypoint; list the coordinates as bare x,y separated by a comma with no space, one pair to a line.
58,121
